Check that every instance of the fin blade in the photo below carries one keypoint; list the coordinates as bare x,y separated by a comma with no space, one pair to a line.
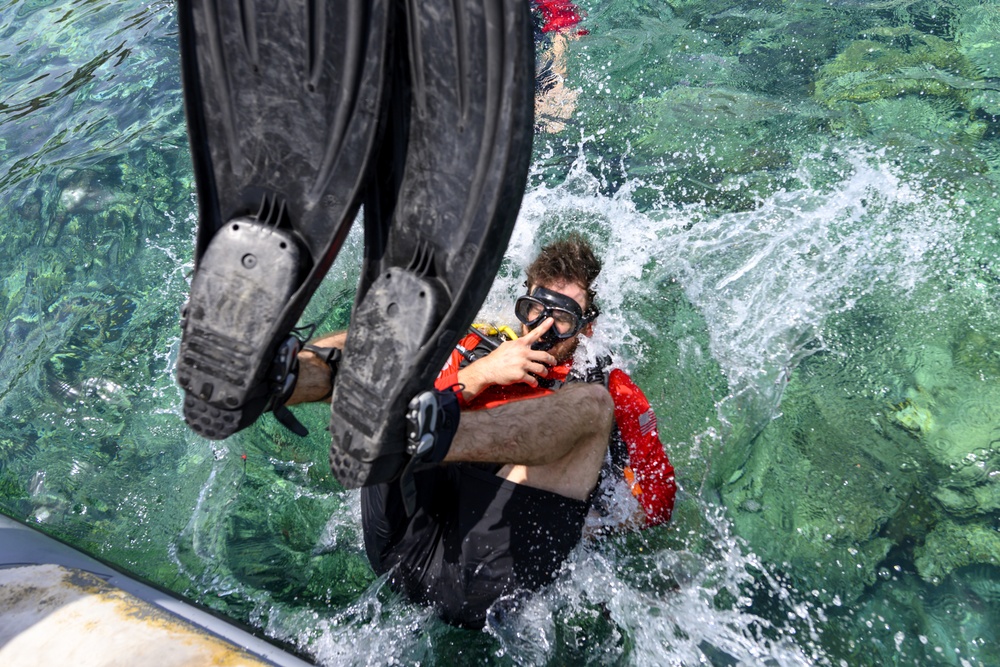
446,224
283,100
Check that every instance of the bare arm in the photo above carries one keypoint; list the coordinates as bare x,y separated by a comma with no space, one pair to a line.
514,361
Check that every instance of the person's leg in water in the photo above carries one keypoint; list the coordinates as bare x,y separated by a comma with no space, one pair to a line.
555,442
512,528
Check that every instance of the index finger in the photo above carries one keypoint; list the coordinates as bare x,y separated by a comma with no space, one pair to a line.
538,331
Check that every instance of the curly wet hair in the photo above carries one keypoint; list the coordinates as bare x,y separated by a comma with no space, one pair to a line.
571,259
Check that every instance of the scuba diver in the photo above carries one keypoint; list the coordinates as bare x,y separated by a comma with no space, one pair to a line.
299,113
519,481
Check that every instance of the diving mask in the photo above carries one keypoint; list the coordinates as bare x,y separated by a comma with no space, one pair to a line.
535,307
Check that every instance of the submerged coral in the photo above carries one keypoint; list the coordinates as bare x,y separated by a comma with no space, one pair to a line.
951,546
913,87
827,484
978,38
889,62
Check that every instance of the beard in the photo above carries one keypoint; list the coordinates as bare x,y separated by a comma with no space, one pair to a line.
564,350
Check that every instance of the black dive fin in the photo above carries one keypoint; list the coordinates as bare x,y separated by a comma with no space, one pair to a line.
437,228
283,100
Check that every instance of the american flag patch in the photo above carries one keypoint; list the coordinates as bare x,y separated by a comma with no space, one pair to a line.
647,422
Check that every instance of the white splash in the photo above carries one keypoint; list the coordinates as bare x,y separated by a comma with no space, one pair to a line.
764,280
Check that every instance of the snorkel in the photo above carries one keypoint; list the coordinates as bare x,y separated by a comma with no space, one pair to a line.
540,304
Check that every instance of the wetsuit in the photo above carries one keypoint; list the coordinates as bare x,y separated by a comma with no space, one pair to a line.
476,537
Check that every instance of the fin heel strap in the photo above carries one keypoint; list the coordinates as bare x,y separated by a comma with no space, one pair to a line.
331,356
432,420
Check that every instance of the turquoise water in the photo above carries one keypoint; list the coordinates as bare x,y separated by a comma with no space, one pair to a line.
796,206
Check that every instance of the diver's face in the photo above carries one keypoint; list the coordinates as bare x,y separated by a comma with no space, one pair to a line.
564,349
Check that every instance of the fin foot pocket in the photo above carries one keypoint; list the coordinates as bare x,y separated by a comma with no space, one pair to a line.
431,423
209,421
387,331
247,276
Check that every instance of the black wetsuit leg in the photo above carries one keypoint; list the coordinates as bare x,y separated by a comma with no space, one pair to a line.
473,538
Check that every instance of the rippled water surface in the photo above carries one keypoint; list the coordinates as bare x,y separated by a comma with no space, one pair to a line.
796,207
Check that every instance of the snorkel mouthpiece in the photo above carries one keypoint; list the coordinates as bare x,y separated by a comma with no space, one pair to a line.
546,342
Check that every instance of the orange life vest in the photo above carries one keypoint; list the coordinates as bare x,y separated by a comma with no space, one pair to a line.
646,468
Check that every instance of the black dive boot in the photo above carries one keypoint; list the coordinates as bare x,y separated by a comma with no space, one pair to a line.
436,228
283,100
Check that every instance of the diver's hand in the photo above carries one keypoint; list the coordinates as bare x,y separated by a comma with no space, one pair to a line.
514,361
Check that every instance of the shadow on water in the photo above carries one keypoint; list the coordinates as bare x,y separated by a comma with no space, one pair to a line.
795,205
